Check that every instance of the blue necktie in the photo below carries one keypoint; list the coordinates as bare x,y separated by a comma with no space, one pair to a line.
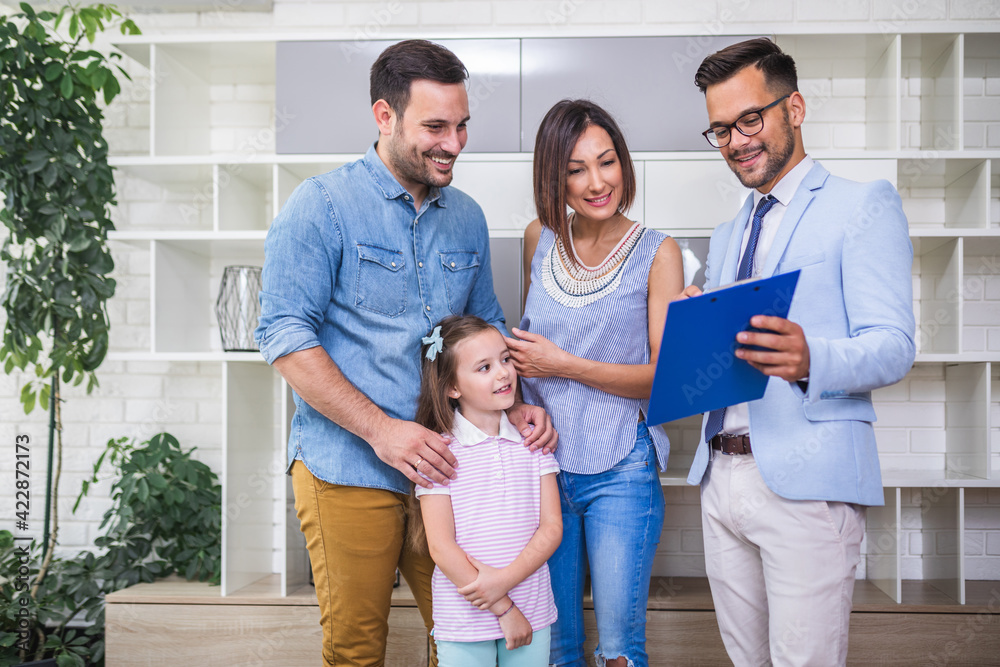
716,417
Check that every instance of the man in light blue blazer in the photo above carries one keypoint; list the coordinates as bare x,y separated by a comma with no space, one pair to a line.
785,479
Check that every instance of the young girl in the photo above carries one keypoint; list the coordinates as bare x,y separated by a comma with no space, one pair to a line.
491,529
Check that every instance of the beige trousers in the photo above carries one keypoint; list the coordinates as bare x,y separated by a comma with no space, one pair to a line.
781,571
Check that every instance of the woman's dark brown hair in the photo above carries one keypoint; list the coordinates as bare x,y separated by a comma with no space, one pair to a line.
403,63
778,67
435,410
557,136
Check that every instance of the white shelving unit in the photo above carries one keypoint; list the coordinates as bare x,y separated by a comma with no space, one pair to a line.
879,106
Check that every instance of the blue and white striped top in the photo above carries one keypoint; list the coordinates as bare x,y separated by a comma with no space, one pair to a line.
596,429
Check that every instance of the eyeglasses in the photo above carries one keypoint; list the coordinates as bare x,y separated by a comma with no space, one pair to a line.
748,125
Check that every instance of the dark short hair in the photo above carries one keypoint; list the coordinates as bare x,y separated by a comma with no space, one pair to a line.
557,136
403,63
778,67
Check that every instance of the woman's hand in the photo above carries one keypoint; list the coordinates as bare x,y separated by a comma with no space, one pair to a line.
535,356
535,425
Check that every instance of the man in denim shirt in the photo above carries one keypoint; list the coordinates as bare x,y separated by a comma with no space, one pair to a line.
359,265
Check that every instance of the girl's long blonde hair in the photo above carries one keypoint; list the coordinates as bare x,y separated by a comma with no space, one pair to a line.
435,409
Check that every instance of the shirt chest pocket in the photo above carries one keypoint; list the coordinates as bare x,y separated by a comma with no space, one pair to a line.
381,285
460,269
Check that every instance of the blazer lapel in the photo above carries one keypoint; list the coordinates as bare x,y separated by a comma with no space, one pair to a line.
796,208
732,260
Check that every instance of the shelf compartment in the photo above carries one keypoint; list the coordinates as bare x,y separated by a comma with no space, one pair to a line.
883,532
244,196
967,409
251,432
945,193
937,276
185,282
851,87
932,101
927,525
981,91
980,292
176,197
942,541
127,118
933,426
193,97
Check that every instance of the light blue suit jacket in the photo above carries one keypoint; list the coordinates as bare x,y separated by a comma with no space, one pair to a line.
854,302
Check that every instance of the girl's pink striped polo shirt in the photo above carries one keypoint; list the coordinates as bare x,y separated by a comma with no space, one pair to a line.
495,498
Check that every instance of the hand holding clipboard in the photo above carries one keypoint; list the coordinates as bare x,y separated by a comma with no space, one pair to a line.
698,368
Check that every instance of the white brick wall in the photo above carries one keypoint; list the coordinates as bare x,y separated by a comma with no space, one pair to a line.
141,398
681,552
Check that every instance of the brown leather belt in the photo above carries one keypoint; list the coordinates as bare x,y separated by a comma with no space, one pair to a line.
732,444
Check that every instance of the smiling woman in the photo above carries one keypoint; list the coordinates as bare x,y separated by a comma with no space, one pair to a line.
597,288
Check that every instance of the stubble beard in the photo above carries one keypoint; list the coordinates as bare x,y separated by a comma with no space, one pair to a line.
776,159
411,165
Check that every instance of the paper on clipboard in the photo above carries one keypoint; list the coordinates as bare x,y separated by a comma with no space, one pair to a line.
697,369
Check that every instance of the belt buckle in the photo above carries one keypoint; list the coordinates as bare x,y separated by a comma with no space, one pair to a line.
725,449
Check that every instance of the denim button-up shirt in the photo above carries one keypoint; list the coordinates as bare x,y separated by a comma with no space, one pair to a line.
352,266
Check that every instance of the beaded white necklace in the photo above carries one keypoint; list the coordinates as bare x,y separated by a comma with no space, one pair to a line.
572,283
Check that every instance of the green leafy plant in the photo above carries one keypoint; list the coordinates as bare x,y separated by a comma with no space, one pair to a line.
167,512
57,191
166,518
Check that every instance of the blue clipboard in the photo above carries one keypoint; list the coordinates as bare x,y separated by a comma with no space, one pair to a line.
698,370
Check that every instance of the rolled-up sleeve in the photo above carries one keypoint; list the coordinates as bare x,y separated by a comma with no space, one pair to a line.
302,256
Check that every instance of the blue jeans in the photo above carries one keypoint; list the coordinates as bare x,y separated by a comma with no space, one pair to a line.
617,516
494,653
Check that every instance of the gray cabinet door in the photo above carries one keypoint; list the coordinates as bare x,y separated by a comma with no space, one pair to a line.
647,83
322,94
505,258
